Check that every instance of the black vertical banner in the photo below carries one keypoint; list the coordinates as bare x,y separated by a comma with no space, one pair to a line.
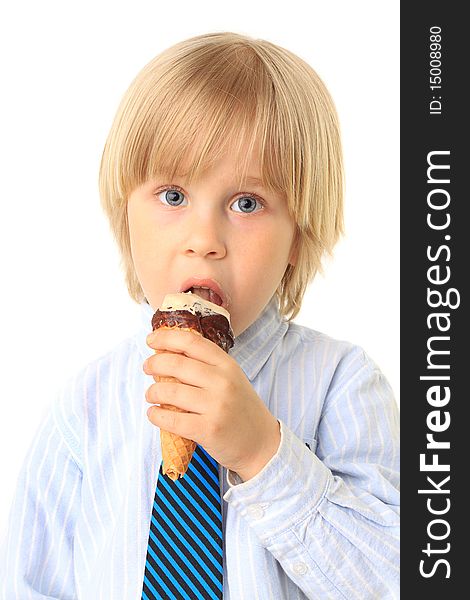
435,254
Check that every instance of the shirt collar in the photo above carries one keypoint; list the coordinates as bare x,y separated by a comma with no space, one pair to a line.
251,349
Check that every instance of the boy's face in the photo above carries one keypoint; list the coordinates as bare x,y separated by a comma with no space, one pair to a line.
241,238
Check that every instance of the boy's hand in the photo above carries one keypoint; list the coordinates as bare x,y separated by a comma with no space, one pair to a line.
227,416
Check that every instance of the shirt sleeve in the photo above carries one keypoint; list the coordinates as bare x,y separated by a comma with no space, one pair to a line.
331,518
37,552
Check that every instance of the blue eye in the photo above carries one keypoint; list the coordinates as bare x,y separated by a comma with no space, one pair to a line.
247,204
171,197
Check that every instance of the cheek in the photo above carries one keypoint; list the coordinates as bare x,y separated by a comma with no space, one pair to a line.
274,246
146,251
135,225
264,257
142,234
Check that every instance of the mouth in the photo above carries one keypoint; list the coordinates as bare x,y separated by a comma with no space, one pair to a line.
207,289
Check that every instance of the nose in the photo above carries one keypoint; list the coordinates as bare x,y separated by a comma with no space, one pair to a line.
204,237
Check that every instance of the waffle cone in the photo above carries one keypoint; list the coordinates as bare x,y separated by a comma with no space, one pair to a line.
177,451
188,312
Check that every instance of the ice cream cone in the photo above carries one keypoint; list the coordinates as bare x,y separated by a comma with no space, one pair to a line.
188,312
177,451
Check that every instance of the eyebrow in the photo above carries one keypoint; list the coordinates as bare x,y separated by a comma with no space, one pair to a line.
249,180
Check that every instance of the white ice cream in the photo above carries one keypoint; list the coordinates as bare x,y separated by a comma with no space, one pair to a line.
193,303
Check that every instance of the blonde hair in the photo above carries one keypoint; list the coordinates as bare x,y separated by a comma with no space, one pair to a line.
198,98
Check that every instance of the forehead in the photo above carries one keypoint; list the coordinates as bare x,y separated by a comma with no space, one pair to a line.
241,163
241,156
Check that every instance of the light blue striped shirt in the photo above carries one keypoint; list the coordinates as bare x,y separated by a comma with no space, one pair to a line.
319,521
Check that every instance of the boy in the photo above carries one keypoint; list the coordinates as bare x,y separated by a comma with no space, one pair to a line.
222,169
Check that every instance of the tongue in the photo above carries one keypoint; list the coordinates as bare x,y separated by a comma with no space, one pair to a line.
206,294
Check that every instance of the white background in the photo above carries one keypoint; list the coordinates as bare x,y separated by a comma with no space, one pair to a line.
64,69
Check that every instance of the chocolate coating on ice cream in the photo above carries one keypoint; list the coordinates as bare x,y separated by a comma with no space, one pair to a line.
214,327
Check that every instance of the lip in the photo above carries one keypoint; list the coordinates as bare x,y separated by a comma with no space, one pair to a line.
206,282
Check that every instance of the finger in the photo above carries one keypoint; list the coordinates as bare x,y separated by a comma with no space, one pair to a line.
188,343
187,425
187,370
182,396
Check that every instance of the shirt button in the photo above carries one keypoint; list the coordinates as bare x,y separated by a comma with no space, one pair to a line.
300,568
256,511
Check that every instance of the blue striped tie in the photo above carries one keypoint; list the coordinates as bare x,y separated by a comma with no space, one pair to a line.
185,549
